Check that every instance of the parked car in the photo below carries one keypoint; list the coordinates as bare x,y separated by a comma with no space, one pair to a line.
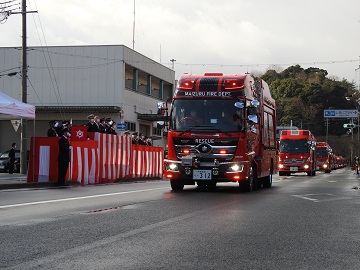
5,161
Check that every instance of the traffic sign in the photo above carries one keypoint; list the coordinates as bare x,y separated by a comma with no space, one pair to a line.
341,113
121,126
349,125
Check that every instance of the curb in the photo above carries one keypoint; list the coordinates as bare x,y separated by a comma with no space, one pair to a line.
69,184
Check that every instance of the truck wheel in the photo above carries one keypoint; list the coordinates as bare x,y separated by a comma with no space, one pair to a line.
267,183
248,185
176,185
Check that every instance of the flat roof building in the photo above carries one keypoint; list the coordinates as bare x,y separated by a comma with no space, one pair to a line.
71,82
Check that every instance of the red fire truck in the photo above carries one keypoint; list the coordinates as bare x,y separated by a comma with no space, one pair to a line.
324,157
297,152
222,128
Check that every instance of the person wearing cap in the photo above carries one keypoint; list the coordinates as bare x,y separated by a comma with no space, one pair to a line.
135,138
92,126
63,156
127,133
112,128
141,139
102,128
52,132
97,121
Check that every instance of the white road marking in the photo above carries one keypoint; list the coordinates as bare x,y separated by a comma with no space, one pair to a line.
321,197
79,198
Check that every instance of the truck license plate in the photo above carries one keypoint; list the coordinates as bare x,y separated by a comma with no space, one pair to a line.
202,174
293,169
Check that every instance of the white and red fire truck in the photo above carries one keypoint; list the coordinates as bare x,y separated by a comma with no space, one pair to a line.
324,157
222,128
297,153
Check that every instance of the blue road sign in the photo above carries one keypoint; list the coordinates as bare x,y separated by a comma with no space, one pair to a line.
340,113
121,126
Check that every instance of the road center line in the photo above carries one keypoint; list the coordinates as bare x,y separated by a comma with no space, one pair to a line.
80,198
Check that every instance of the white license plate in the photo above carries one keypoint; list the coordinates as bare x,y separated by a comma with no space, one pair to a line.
202,174
293,169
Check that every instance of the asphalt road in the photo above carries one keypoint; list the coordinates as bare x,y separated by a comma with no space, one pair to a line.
302,222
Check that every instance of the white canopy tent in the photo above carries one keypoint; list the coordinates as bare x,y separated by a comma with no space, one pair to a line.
11,108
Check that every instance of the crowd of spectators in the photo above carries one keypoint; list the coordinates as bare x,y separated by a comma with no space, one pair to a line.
97,124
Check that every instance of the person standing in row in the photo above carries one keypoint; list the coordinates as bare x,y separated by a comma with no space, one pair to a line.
12,158
92,126
52,131
64,156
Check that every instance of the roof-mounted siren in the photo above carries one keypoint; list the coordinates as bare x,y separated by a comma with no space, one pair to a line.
233,83
213,74
186,84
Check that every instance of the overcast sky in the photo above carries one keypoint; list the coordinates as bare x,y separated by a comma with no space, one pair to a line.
229,36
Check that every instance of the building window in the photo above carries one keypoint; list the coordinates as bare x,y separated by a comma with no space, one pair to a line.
130,126
157,131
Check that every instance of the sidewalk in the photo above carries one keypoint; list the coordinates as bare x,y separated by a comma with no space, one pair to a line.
17,180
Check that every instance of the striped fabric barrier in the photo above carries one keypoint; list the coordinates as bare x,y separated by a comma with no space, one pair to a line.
43,163
114,157
147,161
43,155
106,159
84,162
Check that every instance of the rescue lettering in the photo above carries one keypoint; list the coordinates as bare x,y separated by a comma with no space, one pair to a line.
204,140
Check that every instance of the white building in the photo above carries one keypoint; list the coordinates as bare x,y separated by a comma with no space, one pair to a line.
71,82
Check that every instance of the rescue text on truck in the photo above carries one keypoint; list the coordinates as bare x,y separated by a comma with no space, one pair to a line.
222,128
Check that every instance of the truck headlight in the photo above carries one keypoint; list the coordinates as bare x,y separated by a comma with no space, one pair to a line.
172,167
306,166
236,168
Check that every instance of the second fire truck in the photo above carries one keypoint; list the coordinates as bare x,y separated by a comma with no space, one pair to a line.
297,152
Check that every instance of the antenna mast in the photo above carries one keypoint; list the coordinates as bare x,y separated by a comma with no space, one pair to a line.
133,42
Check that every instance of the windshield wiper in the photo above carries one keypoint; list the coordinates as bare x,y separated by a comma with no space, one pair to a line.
188,130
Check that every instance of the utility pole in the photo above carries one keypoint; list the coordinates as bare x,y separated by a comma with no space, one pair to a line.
23,147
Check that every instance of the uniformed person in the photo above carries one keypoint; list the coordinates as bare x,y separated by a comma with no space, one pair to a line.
102,127
52,131
91,125
64,156
112,128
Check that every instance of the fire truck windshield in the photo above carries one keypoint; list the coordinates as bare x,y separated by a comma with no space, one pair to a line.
206,114
294,146
322,152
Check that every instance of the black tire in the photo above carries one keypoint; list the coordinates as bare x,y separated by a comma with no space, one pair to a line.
248,185
176,185
267,180
267,183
